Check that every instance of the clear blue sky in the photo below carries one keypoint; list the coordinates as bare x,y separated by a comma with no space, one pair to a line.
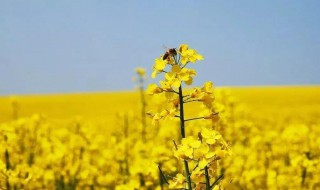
58,46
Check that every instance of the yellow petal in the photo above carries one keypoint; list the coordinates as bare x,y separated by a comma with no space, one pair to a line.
176,68
189,81
154,74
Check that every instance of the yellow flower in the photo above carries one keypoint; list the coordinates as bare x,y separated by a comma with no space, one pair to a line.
188,55
158,67
154,89
203,163
207,87
210,114
179,74
177,182
156,118
165,85
216,187
187,147
140,71
221,153
210,136
202,151
168,113
191,142
184,152
195,93
200,186
197,176
204,94
183,48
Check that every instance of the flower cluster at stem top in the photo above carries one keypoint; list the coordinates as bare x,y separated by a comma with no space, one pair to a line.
174,66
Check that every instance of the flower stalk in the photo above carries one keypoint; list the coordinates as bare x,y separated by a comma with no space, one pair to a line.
183,135
206,170
141,76
143,109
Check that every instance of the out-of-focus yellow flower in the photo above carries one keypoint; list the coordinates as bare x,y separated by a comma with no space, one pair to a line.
166,85
221,153
207,87
203,163
156,118
153,89
140,71
178,182
184,152
197,176
169,113
204,94
210,114
210,136
131,185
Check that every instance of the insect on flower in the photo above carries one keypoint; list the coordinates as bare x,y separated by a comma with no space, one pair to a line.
169,52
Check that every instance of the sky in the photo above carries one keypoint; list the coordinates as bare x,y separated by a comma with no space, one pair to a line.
58,46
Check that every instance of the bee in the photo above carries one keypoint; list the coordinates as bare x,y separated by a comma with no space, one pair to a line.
169,52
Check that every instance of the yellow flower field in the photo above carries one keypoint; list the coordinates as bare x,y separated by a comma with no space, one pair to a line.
168,136
93,141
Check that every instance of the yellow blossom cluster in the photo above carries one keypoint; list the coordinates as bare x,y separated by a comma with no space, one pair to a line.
178,72
202,153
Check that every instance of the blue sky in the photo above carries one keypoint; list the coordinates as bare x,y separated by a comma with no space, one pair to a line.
57,46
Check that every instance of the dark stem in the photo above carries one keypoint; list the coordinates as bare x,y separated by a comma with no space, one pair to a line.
8,167
193,119
217,180
183,135
188,100
175,144
207,178
7,159
186,167
182,126
172,91
162,176
184,65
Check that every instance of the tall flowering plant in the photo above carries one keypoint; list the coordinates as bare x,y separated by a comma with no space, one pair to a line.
199,155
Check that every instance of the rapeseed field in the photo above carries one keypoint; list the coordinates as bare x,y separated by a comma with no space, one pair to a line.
168,136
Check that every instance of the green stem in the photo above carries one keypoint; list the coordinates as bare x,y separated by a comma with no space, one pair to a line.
193,119
162,177
207,178
8,167
183,135
186,167
188,100
7,159
217,181
182,126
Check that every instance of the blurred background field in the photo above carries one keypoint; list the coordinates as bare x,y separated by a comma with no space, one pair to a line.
93,140
262,101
